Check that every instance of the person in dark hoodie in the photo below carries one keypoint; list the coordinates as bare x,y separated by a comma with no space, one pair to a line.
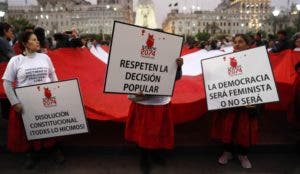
6,52
6,35
282,43
258,40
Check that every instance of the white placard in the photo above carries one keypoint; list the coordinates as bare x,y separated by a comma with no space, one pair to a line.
142,59
239,79
52,109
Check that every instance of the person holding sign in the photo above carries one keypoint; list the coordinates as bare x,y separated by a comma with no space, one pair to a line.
150,126
236,128
26,69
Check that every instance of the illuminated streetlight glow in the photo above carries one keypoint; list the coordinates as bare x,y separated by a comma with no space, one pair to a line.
2,13
184,8
107,6
298,7
276,12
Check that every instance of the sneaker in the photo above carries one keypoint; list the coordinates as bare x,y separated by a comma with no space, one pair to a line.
245,161
225,157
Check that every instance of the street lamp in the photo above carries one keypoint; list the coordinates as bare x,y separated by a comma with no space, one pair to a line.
193,8
184,22
2,14
298,7
275,13
107,7
298,20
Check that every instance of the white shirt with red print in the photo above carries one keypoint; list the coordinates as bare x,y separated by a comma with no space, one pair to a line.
28,70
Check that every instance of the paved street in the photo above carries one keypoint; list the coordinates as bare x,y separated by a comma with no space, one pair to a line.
119,161
104,151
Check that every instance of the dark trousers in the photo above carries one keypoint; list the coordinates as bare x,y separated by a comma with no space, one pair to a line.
5,107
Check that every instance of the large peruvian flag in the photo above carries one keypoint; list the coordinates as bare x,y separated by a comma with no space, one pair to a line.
188,102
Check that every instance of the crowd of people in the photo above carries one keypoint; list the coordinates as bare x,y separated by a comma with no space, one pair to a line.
149,124
10,43
273,43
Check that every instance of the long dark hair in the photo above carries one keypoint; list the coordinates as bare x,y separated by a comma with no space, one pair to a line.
24,37
296,37
40,34
4,27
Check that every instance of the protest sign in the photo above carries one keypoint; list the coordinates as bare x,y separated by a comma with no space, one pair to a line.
52,109
239,79
142,59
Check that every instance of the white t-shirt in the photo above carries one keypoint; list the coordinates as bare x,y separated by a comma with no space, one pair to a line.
151,100
156,100
34,69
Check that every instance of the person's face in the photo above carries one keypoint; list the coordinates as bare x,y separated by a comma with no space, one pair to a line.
271,43
257,37
33,44
239,44
297,43
84,41
281,36
9,34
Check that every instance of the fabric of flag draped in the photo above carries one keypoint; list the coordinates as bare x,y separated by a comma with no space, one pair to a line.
188,102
